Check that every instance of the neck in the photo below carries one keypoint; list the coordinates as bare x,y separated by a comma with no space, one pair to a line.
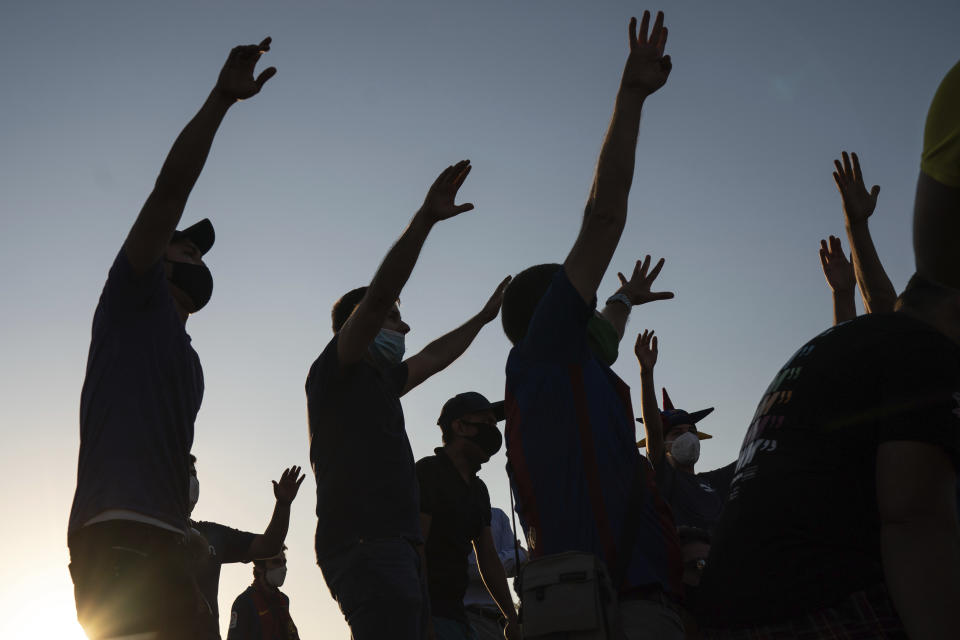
463,465
686,468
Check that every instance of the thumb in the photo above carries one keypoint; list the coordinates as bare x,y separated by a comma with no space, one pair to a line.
662,295
875,191
265,75
275,485
623,280
464,207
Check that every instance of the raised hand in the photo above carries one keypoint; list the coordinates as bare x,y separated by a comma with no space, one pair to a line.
290,481
646,350
836,268
647,68
439,203
637,288
236,81
492,308
858,203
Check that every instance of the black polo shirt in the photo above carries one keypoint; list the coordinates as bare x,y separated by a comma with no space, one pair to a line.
361,457
225,545
459,512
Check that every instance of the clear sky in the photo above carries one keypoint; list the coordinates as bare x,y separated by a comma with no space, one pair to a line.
310,182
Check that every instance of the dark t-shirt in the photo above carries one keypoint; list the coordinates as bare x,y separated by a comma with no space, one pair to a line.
580,483
801,527
226,545
361,457
140,397
696,499
459,512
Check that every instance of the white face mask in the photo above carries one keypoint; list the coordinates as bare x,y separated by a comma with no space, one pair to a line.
686,449
194,494
275,576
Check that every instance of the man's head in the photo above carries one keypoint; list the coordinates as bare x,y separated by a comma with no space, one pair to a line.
344,307
468,422
271,572
522,296
191,283
932,302
681,438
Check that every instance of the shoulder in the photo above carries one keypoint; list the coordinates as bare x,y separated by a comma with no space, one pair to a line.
325,366
428,467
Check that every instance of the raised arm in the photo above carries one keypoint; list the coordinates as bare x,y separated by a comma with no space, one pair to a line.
919,536
151,233
646,352
270,542
858,205
840,277
440,353
632,293
363,325
646,71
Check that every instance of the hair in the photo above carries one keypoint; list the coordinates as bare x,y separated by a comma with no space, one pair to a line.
923,294
258,563
522,296
343,307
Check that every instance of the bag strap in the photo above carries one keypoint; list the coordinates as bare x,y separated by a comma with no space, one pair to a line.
516,540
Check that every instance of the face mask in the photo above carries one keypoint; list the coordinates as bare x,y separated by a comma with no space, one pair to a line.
275,576
603,339
686,449
194,492
488,439
194,280
388,347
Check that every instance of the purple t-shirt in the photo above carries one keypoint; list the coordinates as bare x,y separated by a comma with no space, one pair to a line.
140,397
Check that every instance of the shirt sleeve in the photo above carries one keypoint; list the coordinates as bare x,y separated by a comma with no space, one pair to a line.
720,479
126,290
427,478
558,328
235,544
921,394
244,622
485,498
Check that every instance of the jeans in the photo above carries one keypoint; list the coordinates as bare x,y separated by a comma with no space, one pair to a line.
380,589
131,578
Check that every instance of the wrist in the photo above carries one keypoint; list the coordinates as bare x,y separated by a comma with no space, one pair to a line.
219,100
424,218
646,372
843,293
621,298
855,224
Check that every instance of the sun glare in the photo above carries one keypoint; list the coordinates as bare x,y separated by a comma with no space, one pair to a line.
48,613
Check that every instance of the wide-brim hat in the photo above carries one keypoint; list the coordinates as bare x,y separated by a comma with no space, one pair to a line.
672,416
200,233
464,404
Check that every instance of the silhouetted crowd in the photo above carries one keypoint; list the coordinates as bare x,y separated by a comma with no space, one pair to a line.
837,520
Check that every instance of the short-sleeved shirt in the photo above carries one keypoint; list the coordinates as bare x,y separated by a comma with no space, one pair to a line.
579,481
697,499
801,527
226,545
140,398
361,457
459,512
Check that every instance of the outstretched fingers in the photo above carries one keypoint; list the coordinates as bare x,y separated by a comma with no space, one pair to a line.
265,75
644,25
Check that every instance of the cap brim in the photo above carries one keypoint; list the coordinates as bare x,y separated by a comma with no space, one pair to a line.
201,234
498,410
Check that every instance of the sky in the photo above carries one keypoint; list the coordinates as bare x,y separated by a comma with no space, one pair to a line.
310,182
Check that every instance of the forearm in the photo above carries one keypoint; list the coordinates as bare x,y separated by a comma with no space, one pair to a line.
844,306
617,314
450,346
652,422
875,287
615,166
397,266
276,531
921,563
191,148
495,579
